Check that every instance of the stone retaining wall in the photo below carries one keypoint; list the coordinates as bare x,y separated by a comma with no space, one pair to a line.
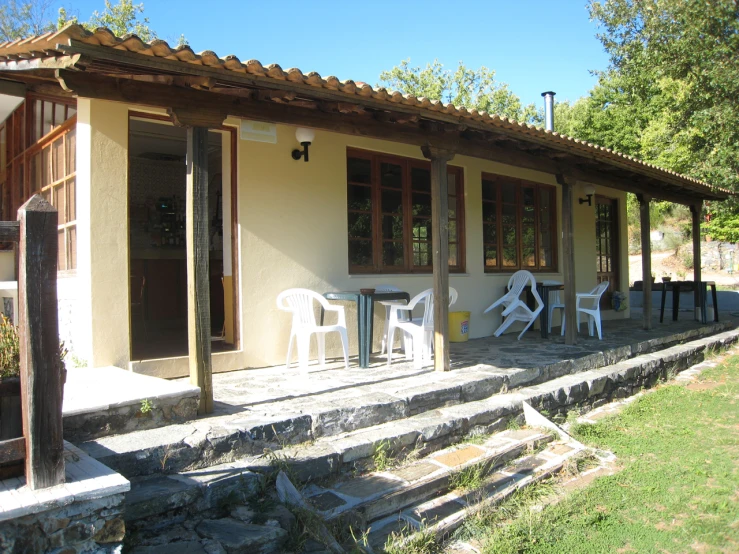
83,526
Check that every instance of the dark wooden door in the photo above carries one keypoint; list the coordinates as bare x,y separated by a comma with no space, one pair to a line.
607,246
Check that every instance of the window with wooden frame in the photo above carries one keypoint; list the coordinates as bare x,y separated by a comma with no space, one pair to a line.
389,214
38,155
519,225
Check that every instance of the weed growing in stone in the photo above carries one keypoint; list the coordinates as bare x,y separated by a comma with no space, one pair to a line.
146,406
383,458
582,461
471,477
413,541
513,424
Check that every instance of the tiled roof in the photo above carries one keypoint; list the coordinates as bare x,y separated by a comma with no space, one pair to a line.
48,45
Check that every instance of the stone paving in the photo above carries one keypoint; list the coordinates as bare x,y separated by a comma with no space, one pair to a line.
247,390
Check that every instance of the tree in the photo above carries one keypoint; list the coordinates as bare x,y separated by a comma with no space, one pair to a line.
121,18
671,92
23,19
473,89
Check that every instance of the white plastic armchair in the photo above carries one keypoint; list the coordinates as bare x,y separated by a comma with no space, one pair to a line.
421,330
555,302
589,304
515,309
300,303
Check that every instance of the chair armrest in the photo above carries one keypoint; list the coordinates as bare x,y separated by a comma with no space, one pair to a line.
339,311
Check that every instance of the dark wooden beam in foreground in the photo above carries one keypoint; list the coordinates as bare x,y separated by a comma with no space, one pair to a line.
646,259
41,372
568,258
440,243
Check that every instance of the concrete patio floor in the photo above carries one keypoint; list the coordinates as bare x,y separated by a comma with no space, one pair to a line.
530,360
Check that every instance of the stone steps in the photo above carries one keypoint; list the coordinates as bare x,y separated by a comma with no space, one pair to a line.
445,513
377,494
168,487
408,407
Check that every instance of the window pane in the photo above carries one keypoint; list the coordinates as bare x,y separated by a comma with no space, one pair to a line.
421,254
510,257
71,146
420,179
45,166
422,204
391,175
360,252
422,229
491,256
72,247
360,225
452,231
392,254
57,155
453,255
392,202
451,183
72,199
508,192
392,227
488,190
36,131
359,198
48,117
58,203
488,212
510,236
58,114
490,234
509,214
359,170
545,257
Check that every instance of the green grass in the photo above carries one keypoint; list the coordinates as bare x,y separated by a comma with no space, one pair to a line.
678,490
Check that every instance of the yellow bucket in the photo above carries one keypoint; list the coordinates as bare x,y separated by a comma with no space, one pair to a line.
459,326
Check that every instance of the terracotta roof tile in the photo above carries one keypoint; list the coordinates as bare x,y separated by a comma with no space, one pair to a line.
48,44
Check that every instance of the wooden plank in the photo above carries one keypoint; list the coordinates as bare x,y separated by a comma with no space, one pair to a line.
10,231
41,377
646,260
197,239
695,213
568,259
159,95
12,450
440,245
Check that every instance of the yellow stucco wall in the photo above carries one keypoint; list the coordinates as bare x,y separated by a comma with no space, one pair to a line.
292,223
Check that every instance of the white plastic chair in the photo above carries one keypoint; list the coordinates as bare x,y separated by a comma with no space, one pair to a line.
592,310
388,303
421,330
300,303
555,302
515,309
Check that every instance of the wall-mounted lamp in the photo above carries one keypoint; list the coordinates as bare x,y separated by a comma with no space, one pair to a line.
589,191
305,138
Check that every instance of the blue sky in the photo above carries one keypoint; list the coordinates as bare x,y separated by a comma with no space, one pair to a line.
533,45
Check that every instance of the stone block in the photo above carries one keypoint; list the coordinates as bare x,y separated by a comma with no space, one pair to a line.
243,538
372,409
523,376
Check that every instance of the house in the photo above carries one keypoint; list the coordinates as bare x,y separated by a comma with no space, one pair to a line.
109,130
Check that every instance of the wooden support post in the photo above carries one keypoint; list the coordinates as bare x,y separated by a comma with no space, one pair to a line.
41,370
197,225
568,259
440,245
646,259
695,212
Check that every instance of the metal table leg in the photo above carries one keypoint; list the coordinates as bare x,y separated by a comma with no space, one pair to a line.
544,316
662,303
715,302
362,332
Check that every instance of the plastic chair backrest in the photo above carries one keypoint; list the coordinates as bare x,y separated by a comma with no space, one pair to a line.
598,291
300,303
427,297
518,281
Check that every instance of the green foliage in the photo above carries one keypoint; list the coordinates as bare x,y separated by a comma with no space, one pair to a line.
671,93
23,19
471,477
146,406
10,359
472,88
723,227
382,457
123,18
412,541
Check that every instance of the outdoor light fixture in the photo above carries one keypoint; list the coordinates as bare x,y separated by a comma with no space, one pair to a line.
589,191
305,138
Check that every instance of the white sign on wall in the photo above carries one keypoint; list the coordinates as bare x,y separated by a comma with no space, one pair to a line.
258,131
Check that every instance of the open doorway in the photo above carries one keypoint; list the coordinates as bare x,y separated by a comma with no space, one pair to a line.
158,265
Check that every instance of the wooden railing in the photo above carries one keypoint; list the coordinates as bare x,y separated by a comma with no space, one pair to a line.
41,445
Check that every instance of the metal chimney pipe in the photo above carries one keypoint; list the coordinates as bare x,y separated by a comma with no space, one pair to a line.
548,110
